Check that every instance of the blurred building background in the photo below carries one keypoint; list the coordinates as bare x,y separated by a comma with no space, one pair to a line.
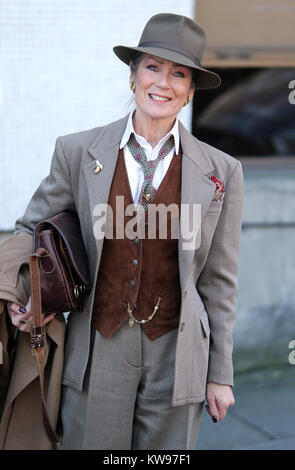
251,44
58,75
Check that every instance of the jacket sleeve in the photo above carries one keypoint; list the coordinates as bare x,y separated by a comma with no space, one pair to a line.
15,253
53,195
14,287
218,282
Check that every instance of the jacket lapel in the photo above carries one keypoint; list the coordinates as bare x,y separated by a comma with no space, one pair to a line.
196,188
105,149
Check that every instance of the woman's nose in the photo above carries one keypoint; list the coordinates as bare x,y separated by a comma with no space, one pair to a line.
163,80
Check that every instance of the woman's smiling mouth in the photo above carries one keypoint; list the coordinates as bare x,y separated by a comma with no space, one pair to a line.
159,98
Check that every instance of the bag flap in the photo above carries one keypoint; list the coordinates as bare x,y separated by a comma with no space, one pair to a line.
68,225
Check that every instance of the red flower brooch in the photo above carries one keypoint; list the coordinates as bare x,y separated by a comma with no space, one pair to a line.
219,191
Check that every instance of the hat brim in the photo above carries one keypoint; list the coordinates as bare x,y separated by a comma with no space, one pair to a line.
205,78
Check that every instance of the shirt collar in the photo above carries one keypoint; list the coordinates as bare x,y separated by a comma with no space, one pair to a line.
130,129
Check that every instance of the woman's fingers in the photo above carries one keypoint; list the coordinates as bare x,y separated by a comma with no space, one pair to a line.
18,310
48,318
15,309
24,327
18,316
28,306
21,317
21,323
44,319
213,411
219,398
27,317
222,408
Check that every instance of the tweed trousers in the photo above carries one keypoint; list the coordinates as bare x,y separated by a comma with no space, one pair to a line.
126,399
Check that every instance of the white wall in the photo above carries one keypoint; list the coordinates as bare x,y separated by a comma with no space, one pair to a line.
59,75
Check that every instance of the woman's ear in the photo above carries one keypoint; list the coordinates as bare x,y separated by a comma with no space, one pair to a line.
132,82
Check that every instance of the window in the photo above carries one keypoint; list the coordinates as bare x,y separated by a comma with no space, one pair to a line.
250,114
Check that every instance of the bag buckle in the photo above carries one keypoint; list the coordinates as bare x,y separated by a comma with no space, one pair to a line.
37,339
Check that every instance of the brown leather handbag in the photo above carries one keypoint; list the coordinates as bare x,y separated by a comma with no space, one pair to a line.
59,282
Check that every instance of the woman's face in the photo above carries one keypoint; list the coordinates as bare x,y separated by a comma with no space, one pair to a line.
161,87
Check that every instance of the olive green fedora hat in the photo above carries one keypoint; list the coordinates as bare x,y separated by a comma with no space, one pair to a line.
175,38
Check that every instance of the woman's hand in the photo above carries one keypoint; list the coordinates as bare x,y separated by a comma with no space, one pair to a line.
21,316
219,398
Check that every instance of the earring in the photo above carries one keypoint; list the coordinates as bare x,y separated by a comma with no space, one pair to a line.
187,100
132,86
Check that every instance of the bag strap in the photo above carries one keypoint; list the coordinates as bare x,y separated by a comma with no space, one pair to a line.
38,334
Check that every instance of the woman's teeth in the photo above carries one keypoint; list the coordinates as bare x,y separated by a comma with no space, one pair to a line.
159,98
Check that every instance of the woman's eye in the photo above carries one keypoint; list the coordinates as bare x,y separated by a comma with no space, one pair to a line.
152,67
179,74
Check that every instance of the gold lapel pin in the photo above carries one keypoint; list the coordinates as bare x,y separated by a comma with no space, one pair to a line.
98,167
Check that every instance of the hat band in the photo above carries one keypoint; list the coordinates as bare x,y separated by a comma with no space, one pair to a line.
171,47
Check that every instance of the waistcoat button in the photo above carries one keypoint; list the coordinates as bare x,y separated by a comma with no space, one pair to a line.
135,262
132,282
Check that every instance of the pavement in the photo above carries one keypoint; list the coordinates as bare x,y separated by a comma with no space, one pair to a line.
263,417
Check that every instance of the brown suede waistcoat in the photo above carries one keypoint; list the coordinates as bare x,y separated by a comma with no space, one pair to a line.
140,270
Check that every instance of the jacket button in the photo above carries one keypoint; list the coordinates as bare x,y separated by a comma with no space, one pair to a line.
182,326
136,240
135,262
132,282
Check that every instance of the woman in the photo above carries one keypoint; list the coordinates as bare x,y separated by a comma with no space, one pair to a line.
154,337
